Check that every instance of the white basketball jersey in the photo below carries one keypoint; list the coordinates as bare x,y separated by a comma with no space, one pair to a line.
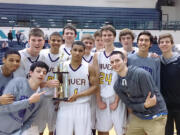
64,53
89,58
52,60
26,61
79,81
107,75
135,50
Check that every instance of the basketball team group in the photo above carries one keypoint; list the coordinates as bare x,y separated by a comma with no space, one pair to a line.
129,88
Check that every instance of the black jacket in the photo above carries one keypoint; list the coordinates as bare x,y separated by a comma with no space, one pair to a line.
170,81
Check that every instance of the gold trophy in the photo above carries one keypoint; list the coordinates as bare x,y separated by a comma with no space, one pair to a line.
61,73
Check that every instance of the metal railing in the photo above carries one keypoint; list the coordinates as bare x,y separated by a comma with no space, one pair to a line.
137,24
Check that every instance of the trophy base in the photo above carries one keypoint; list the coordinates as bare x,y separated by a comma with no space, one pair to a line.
60,99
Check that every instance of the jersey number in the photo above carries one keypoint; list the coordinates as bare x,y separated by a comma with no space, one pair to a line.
76,91
105,78
50,78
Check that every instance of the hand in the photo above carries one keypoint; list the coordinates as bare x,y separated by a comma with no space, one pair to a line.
6,99
154,55
73,98
56,105
52,83
34,98
114,105
150,101
101,104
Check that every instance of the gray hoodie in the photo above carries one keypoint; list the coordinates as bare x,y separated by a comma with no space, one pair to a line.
19,114
133,90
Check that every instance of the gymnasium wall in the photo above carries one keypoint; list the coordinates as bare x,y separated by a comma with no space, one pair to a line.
91,3
177,10
171,13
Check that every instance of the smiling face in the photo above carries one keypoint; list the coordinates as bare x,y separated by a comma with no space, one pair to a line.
89,44
12,62
55,42
144,43
108,37
98,43
165,45
36,44
69,36
117,63
126,41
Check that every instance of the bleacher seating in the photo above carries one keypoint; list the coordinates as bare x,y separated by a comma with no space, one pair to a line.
82,17
13,45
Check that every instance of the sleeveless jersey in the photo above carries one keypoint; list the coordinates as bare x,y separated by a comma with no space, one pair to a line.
89,58
26,61
135,50
52,60
64,53
79,81
107,75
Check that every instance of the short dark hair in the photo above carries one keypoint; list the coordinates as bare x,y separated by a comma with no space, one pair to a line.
147,33
39,64
79,43
36,32
118,52
11,52
56,34
71,27
108,28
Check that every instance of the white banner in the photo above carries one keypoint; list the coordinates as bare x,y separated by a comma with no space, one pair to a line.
4,31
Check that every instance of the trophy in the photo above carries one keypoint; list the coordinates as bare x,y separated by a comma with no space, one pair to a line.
61,74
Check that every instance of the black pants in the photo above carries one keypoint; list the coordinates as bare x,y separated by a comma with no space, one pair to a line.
173,117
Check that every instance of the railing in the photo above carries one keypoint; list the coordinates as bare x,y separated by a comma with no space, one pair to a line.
134,24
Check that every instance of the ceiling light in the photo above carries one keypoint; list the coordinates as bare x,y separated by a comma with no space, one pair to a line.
69,20
50,20
4,18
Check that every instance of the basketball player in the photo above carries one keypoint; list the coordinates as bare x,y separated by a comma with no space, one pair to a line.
69,35
88,41
17,117
74,116
110,110
47,114
11,62
126,38
31,54
99,46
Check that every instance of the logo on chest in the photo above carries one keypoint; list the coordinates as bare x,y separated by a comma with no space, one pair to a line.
77,81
